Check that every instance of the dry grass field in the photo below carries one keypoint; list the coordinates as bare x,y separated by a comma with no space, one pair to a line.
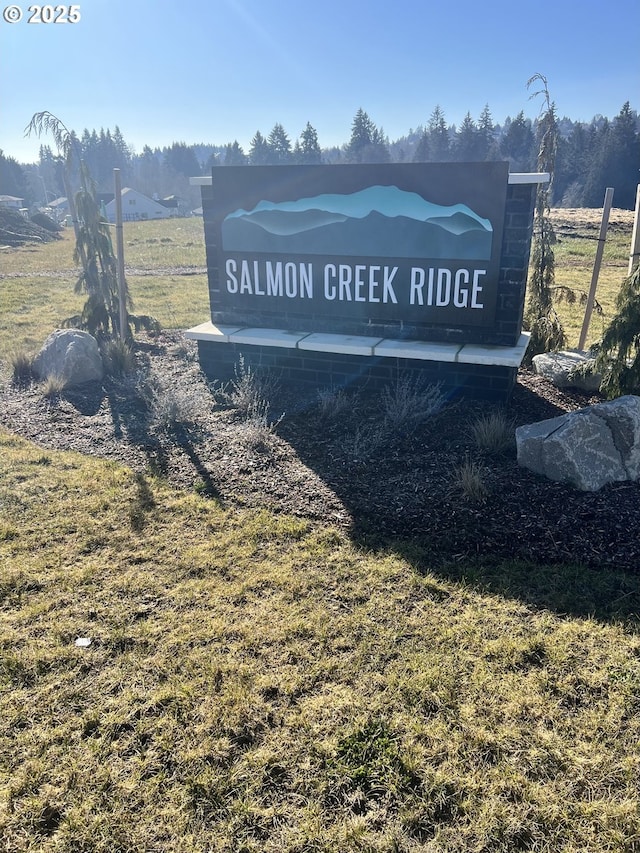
372,675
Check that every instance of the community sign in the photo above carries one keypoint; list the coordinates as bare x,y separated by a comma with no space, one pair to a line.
414,242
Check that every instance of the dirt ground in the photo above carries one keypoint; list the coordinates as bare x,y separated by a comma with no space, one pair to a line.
384,486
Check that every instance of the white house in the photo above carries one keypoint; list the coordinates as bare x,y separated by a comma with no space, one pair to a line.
12,202
136,207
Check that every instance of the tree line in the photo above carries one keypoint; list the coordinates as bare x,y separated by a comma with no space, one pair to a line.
590,156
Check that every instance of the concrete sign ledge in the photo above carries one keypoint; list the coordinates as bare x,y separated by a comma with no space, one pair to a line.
362,345
514,178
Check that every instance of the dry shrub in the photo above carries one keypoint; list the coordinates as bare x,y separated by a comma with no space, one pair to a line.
174,406
410,400
333,402
250,392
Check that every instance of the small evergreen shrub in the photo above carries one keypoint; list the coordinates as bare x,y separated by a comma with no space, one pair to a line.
618,357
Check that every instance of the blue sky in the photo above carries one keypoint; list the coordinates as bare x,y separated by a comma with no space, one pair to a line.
218,70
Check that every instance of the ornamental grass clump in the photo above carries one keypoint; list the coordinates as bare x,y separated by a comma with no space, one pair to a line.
493,433
21,368
470,481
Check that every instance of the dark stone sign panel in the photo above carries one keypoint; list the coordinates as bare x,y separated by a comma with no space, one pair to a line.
350,248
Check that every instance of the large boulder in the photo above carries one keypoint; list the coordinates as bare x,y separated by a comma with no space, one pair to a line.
566,369
588,448
71,355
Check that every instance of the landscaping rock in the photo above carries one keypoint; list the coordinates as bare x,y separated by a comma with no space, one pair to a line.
588,448
560,369
71,355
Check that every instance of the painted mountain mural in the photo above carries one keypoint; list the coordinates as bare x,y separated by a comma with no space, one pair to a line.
379,221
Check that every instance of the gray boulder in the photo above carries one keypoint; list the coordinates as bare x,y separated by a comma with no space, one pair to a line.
588,448
71,355
563,369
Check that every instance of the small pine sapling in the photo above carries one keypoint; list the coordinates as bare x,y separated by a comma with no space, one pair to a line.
618,355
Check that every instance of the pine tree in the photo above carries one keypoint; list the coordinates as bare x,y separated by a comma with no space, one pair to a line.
597,179
309,147
618,356
368,143
362,130
467,146
150,173
279,146
623,169
573,158
422,152
12,178
181,159
259,152
233,155
486,136
439,144
518,144
378,151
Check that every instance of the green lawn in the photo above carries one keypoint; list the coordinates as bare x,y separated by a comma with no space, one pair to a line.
37,294
258,683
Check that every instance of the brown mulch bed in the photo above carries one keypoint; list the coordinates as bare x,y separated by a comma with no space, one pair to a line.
383,487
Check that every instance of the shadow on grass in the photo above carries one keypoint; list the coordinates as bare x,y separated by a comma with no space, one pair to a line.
604,594
530,539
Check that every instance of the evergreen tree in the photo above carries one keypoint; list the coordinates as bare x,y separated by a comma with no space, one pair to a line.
422,152
362,131
279,146
596,180
233,155
618,356
308,147
378,151
12,178
181,159
439,144
50,170
150,173
623,170
573,158
467,144
487,149
518,144
122,155
259,152
368,143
